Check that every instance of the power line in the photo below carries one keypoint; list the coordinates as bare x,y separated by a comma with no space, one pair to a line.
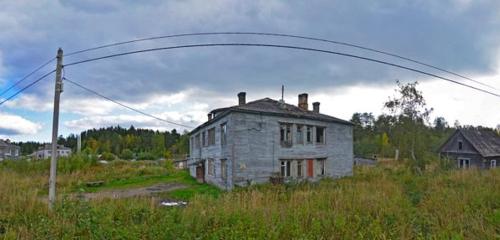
287,36
125,106
27,86
27,76
287,47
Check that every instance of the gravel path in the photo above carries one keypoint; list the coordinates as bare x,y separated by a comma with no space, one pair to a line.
133,192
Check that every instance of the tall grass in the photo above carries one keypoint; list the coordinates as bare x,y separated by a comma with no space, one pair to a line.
385,202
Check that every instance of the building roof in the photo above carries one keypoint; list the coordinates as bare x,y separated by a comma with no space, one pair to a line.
269,106
486,142
4,143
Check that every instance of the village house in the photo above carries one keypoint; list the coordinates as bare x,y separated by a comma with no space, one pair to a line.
251,142
471,147
46,152
9,150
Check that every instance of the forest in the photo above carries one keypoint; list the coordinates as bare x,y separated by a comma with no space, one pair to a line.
124,143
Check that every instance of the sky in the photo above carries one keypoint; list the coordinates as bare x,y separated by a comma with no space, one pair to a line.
183,85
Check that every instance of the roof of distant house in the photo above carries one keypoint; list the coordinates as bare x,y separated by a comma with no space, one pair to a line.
485,141
269,106
6,143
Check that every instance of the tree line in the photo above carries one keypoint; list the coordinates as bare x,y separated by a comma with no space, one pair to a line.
125,143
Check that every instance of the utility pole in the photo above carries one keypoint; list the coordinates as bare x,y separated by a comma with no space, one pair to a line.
55,126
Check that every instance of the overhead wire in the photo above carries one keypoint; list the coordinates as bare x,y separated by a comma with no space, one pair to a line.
124,105
27,86
286,36
286,47
26,76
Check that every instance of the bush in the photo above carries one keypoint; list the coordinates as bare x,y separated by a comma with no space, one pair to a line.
127,154
146,156
108,156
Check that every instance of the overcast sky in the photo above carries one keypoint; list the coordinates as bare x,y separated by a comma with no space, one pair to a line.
182,85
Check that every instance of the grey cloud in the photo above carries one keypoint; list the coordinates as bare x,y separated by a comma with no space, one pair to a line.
461,38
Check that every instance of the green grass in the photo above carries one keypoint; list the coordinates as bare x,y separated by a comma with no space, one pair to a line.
384,202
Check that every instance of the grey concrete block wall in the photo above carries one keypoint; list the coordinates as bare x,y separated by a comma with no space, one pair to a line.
253,150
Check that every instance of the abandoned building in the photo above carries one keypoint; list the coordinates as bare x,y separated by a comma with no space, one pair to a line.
471,147
9,150
252,142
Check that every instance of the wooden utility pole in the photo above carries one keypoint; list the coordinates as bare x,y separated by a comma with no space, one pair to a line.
55,126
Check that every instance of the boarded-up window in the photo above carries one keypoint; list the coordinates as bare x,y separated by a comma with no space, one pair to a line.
320,135
300,134
285,168
223,168
286,134
309,137
211,167
223,134
211,136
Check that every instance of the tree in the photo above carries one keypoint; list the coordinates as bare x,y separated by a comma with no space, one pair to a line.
440,124
409,109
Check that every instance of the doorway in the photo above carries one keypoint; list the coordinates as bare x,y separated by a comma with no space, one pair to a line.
310,168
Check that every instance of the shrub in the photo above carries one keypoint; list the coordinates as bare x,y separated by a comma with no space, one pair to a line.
127,154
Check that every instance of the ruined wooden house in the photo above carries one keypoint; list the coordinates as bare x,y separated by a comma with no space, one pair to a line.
471,147
252,142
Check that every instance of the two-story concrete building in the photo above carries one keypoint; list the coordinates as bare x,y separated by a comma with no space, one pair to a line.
9,150
250,142
45,152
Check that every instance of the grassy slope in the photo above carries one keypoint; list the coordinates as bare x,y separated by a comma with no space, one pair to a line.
377,203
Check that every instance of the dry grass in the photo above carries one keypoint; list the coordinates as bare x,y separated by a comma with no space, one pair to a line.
384,202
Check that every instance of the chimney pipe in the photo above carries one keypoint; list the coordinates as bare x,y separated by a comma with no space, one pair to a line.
316,107
242,98
303,101
210,115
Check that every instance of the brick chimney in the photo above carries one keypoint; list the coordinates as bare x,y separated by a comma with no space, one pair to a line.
210,116
242,98
303,101
316,107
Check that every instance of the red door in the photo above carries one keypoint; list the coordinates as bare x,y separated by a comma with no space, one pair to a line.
310,168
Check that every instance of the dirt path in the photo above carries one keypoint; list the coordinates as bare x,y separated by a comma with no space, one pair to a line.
133,192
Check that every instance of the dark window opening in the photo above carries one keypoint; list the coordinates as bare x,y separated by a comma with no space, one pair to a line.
285,168
286,134
309,134
460,145
320,135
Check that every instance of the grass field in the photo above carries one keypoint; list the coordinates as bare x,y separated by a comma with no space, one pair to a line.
384,202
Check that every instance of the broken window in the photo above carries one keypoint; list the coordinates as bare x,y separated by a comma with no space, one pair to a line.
286,134
322,166
320,135
309,134
300,168
223,168
211,136
204,138
223,134
285,168
463,163
300,134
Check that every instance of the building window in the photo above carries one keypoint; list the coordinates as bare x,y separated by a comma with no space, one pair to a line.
204,139
322,166
223,168
460,145
197,141
309,134
300,134
300,168
223,134
285,168
211,136
286,134
211,167
320,135
463,163
493,163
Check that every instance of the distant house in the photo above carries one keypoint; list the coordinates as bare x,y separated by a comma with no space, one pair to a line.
470,147
266,139
46,152
8,150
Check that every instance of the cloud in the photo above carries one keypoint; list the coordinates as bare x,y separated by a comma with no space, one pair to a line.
16,125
